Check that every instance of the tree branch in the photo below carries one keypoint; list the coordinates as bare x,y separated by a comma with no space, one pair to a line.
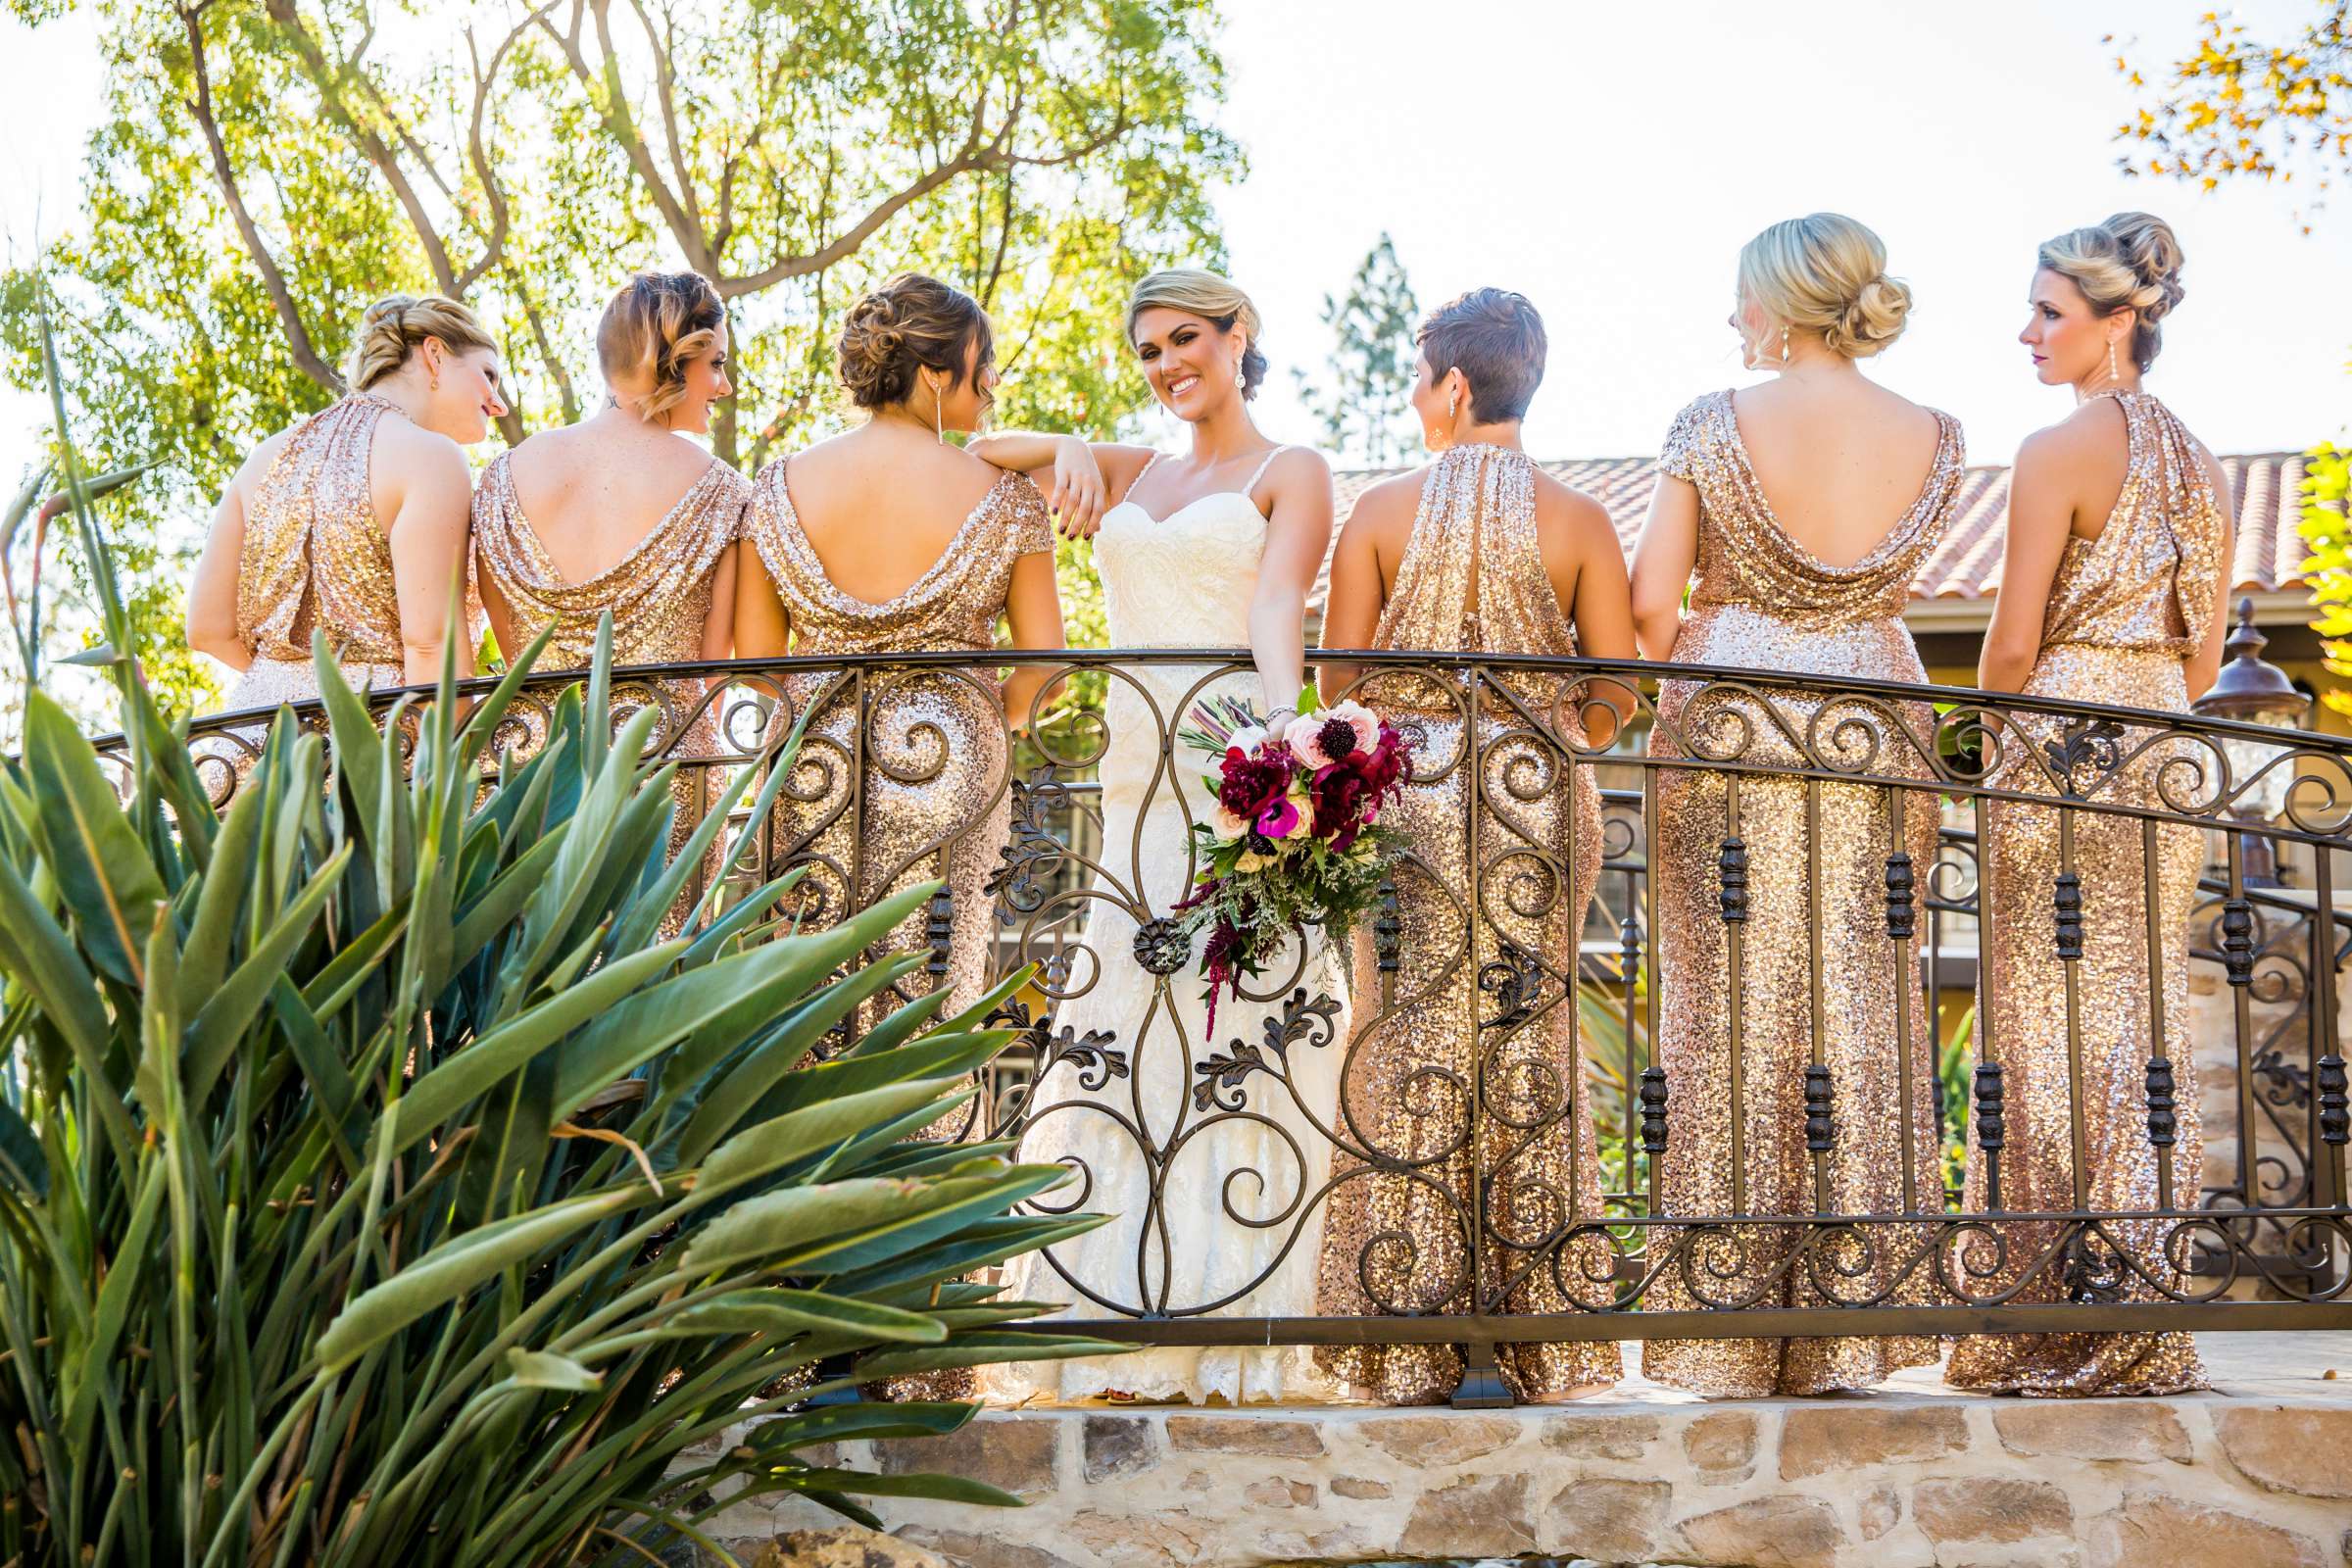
273,278
613,111
327,79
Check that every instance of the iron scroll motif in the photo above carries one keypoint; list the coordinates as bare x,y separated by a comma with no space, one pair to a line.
2287,1229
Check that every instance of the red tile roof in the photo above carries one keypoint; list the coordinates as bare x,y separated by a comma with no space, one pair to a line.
1967,563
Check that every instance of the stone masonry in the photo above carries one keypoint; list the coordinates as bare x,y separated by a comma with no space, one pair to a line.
2256,1476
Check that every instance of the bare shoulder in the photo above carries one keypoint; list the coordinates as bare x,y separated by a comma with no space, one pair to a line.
1574,518
262,459
2215,475
1298,467
1386,506
415,460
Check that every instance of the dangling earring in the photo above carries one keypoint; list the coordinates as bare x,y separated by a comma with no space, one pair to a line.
1454,404
1241,376
2113,375
939,426
1783,345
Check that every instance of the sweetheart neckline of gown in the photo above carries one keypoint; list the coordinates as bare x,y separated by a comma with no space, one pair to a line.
1215,494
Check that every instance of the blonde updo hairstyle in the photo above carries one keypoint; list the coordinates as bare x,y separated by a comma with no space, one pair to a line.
1825,273
2130,263
1215,299
656,326
909,325
392,328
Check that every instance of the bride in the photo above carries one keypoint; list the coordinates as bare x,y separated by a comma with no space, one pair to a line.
1214,1178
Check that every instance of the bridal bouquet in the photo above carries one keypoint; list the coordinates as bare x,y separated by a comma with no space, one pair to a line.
1294,838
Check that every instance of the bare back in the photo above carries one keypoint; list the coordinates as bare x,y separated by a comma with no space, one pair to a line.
881,507
592,499
1841,461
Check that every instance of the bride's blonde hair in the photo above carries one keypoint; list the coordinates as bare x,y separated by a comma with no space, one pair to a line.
1217,300
1827,273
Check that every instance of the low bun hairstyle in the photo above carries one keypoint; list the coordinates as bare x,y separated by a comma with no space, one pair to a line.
1827,273
658,324
1215,300
908,325
391,329
2130,262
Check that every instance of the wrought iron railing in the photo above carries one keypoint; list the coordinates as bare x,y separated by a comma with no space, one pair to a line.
1725,795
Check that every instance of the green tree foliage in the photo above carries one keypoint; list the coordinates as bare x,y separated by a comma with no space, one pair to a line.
265,168
1361,402
2240,106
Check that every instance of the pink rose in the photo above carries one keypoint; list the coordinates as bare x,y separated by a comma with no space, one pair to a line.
1336,732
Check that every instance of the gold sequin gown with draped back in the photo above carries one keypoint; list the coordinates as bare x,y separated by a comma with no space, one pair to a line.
316,557
1815,924
660,597
1504,850
903,774
2126,612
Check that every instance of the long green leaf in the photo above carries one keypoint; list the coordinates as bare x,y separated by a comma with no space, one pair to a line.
101,867
794,1311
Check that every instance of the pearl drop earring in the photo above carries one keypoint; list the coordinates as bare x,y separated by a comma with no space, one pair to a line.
2113,375
1783,345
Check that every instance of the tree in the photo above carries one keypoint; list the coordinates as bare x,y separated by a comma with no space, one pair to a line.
1361,402
267,167
2240,108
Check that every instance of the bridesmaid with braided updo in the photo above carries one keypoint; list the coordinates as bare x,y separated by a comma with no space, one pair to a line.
353,523
621,514
889,539
2112,584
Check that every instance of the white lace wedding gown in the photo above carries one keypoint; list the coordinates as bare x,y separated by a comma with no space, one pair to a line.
1237,1223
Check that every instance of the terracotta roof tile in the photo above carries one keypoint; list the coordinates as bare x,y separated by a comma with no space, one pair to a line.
1967,563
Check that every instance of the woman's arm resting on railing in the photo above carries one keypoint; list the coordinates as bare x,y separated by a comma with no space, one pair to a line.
428,535
1033,609
1297,533
212,614
1089,478
1602,610
2041,511
762,629
1351,612
2206,667
1662,562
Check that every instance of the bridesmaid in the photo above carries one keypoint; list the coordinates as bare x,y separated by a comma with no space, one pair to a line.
887,540
353,523
2112,581
1806,506
890,539
621,512
1481,553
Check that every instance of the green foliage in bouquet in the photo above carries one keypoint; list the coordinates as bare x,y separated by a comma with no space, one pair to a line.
378,1185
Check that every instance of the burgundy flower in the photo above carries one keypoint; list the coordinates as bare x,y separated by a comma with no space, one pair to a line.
1252,785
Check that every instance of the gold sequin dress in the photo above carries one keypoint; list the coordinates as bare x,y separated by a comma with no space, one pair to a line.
316,557
901,776
1503,849
660,597
1818,979
2126,612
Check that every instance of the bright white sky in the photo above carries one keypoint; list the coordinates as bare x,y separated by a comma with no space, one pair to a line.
1609,161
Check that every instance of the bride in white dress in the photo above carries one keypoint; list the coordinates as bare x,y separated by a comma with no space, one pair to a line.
1215,1179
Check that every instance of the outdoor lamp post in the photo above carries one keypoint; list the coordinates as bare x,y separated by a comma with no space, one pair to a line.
2256,691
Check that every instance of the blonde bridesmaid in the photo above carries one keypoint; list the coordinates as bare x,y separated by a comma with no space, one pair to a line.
622,514
1480,552
1796,513
353,523
888,540
2112,583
